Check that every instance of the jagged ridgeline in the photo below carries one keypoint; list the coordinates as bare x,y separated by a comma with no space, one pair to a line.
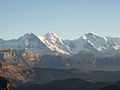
89,52
34,59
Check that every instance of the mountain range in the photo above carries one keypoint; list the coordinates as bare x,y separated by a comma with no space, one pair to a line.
38,60
54,45
89,52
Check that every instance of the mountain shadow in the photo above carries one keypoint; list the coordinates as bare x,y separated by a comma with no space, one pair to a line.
68,84
5,84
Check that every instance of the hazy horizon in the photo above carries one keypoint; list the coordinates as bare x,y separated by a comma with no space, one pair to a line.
42,35
69,19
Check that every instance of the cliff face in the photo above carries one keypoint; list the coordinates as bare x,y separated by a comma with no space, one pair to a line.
5,84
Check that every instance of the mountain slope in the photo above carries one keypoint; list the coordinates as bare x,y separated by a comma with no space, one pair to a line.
89,52
33,44
68,84
52,44
55,43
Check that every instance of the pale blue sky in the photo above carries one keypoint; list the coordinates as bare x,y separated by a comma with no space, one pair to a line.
67,18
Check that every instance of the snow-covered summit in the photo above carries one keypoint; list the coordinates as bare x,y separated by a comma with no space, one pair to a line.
99,42
55,43
51,35
93,43
51,43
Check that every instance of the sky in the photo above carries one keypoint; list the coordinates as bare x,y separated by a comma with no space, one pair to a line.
69,19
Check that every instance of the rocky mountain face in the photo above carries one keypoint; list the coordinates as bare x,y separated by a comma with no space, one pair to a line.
54,45
89,52
34,59
5,84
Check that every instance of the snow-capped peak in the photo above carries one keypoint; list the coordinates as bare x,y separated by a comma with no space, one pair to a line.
28,38
51,35
28,35
98,41
55,43
51,43
91,35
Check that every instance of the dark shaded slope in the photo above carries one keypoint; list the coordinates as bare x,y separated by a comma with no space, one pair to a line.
5,84
115,86
69,84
